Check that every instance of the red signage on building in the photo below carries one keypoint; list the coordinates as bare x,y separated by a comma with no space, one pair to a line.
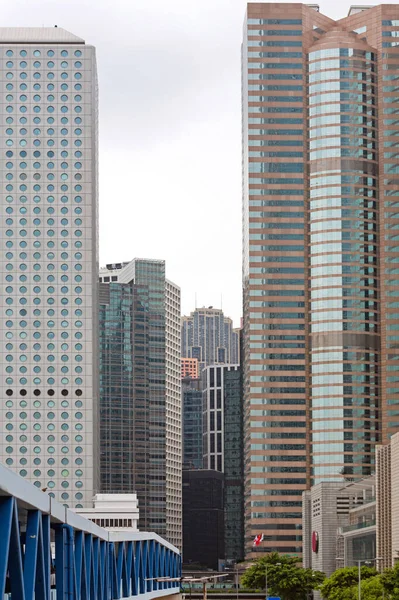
315,541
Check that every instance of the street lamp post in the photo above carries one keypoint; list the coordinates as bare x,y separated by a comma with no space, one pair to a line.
366,562
359,592
310,591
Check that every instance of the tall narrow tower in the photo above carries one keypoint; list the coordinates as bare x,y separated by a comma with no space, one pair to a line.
48,261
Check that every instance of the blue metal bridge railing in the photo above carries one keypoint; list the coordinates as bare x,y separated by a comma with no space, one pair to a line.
44,545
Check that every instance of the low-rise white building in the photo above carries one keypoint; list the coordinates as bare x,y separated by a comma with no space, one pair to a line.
116,512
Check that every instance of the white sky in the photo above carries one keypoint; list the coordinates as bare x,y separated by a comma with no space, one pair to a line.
170,132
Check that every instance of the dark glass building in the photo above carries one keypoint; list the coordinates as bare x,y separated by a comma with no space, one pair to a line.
233,466
192,423
223,446
203,518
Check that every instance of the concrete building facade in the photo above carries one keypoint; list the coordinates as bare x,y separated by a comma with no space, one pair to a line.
116,512
49,263
394,498
189,368
319,205
339,527
357,521
385,476
325,508
173,399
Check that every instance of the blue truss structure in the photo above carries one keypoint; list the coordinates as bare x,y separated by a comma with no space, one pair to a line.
89,563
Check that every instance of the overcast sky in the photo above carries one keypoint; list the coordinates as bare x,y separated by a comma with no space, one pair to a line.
170,132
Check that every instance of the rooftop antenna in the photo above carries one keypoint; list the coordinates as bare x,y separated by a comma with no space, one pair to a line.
221,301
195,300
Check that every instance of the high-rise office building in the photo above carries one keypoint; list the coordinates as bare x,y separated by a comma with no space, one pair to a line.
215,400
118,358
140,380
223,446
192,423
209,336
203,517
320,247
49,290
173,409
233,465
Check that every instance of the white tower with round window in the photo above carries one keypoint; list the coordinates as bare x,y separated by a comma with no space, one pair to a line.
48,261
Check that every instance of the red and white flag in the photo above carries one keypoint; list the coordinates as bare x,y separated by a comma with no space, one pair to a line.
258,539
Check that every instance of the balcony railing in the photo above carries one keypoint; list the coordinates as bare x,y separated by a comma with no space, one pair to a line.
365,502
356,526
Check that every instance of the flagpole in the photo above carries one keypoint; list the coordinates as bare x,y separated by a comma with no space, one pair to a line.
266,579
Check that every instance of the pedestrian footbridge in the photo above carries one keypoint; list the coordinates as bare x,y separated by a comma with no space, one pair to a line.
47,552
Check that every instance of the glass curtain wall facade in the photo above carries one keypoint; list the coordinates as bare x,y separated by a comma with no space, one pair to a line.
343,273
223,446
192,423
233,466
117,410
48,263
154,354
320,177
274,229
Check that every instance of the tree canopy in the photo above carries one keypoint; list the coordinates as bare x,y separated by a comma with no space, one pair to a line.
390,582
284,578
343,584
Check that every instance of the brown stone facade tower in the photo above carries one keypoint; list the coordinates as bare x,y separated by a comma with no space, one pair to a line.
320,121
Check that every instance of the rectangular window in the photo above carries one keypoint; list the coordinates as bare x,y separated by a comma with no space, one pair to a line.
280,22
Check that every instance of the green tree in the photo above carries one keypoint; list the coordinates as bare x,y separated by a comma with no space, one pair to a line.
390,582
371,589
342,584
284,578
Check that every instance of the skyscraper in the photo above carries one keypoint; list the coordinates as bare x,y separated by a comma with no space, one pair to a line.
192,423
173,409
141,389
233,465
49,304
119,356
203,517
223,446
320,247
209,336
